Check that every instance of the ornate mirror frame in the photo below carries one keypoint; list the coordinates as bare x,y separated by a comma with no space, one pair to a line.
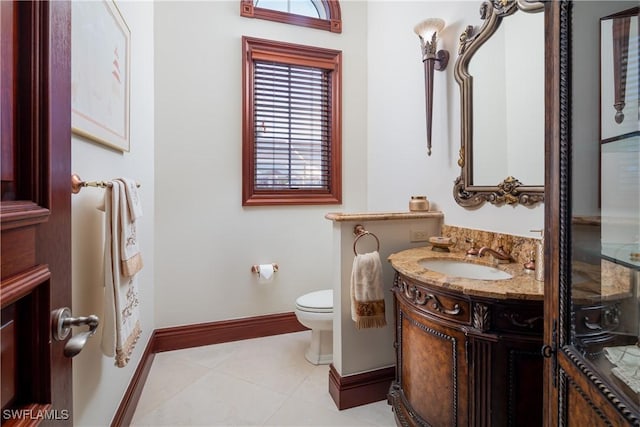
511,190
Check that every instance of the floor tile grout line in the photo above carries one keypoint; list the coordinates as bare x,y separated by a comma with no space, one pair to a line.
311,378
181,356
174,391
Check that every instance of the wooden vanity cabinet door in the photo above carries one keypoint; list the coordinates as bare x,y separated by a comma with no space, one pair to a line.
432,384
516,382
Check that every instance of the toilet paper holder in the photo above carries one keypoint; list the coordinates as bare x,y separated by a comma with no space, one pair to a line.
256,268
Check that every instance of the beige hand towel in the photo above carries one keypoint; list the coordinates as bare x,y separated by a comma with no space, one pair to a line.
121,319
367,291
131,210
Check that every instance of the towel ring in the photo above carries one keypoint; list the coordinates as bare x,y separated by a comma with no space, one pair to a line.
359,231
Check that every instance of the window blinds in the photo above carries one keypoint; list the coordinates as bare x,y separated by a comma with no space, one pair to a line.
291,126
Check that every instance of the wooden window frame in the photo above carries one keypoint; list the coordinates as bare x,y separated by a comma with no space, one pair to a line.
288,53
333,22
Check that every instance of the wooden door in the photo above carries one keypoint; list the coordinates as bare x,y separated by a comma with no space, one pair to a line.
35,210
591,292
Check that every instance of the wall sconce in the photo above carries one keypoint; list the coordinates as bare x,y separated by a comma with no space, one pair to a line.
432,58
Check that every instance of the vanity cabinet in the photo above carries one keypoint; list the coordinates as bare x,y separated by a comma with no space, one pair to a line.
465,360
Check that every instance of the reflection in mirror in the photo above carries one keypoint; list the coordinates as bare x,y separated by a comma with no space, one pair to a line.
619,91
500,71
508,98
605,212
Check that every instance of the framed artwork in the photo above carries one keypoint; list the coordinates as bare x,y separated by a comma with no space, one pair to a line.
100,78
619,88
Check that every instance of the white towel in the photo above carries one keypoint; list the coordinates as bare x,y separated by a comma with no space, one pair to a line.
131,211
367,291
627,361
121,320
630,376
624,356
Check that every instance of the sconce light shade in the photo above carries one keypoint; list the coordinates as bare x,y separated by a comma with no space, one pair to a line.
426,28
428,31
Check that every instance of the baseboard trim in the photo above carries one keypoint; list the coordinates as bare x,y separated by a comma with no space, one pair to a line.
129,402
360,389
188,336
180,337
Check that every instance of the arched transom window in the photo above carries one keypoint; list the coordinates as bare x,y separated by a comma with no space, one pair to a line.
311,8
319,14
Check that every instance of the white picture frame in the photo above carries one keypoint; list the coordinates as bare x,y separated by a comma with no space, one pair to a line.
100,73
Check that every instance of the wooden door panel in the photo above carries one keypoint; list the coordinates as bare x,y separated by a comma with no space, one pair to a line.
582,405
429,390
25,300
515,382
435,392
35,211
583,411
8,356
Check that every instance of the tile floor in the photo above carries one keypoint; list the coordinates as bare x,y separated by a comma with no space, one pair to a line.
258,382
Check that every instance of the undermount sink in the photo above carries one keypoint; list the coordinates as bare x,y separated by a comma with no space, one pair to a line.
467,270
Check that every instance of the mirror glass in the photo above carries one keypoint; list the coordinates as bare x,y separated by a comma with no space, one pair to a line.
501,73
605,195
508,101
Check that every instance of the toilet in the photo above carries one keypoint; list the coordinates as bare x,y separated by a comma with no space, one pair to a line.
315,311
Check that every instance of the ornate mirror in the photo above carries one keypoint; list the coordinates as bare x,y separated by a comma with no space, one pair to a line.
500,70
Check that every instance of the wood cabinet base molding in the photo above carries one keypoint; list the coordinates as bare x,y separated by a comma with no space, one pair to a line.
360,389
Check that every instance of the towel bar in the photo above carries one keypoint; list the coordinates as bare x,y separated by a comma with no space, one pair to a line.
78,184
360,231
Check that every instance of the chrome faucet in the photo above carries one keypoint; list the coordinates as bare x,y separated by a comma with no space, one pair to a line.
499,254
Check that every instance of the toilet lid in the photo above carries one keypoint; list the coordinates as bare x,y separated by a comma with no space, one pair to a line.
321,301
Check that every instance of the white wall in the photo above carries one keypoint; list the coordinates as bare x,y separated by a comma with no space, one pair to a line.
362,350
397,160
206,242
198,153
98,386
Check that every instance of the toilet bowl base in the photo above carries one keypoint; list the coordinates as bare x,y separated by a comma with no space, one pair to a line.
320,350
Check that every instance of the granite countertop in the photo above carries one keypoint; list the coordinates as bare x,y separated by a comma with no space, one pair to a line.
381,216
605,281
522,286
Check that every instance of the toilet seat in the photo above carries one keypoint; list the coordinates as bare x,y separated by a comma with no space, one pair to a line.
316,302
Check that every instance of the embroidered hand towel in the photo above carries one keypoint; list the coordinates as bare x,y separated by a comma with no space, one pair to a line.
121,319
131,210
135,206
367,291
